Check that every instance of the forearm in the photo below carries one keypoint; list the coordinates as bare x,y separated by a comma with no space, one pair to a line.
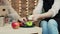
46,15
53,11
14,13
15,16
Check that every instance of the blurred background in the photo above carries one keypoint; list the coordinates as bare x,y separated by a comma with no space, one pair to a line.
23,7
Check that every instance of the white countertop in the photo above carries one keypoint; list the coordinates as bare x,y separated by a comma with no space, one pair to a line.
9,30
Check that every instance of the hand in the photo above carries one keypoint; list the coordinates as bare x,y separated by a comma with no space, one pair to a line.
34,17
24,19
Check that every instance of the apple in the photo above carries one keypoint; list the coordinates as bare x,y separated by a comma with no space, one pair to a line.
29,23
15,25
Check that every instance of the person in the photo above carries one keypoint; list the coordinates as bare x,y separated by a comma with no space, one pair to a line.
50,19
11,12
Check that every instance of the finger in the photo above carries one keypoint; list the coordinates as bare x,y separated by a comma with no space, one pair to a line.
25,19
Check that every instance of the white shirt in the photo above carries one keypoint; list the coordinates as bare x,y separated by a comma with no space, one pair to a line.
55,7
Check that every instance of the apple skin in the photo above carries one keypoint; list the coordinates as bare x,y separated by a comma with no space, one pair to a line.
15,25
29,23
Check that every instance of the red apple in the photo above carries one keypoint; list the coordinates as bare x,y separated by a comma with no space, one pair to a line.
15,25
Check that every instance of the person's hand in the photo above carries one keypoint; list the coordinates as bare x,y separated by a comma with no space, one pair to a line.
34,17
24,19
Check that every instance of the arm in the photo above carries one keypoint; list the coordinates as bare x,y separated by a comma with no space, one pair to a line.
13,13
38,8
53,11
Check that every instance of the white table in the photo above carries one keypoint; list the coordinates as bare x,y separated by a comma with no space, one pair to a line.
8,30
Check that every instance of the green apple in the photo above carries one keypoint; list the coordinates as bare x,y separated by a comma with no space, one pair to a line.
29,23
